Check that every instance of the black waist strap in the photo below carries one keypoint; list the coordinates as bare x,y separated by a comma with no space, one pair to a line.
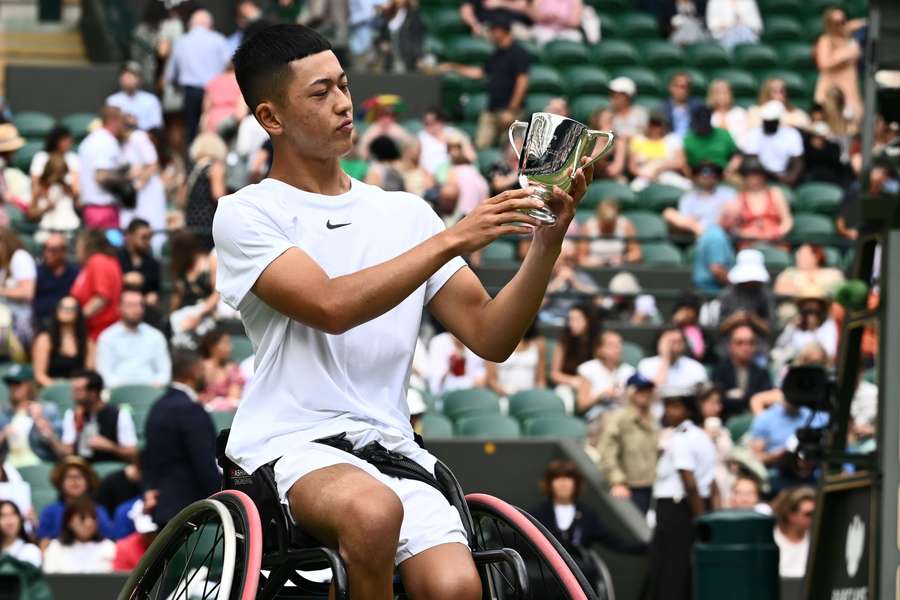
386,461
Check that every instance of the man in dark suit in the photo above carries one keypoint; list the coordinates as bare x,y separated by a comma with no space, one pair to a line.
738,375
680,104
179,460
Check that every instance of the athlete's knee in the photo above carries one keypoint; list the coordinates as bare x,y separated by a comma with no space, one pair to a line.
453,584
372,526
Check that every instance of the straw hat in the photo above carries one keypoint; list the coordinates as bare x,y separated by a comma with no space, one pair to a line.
56,475
10,140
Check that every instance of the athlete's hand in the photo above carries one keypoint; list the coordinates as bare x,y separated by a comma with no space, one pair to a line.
493,218
564,205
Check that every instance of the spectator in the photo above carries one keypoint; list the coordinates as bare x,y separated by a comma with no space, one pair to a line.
715,254
99,284
145,41
556,20
130,549
433,138
504,175
18,274
194,300
762,212
74,479
131,99
120,488
248,17
150,199
63,348
809,270
59,142
28,429
465,187
811,324
746,494
680,104
778,147
775,89
794,510
506,71
452,366
686,316
14,540
836,56
205,185
81,546
16,490
94,430
656,156
384,160
197,57
627,448
480,14
622,116
612,238
224,382
671,368
14,188
733,22
684,490
747,298
381,112
773,428
416,180
738,375
707,144
576,346
568,282
699,208
822,156
725,114
137,255
524,369
104,172
604,378
55,276
812,355
178,462
54,200
130,351
223,104
709,401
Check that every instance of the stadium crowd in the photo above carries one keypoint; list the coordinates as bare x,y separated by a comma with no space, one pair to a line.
731,167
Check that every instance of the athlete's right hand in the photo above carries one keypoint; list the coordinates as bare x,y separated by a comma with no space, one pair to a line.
493,218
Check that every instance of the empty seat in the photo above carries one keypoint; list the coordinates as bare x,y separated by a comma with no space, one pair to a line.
42,490
474,105
775,258
23,156
33,124
560,53
107,467
556,427
487,158
660,54
811,228
739,425
782,28
446,21
488,426
707,55
531,403
460,403
436,426
646,80
241,348
544,79
742,82
78,123
792,8
60,394
614,53
611,5
135,395
582,107
499,251
222,419
607,189
468,50
631,353
637,26
661,254
658,196
647,225
818,197
795,55
756,56
585,79
536,103
653,104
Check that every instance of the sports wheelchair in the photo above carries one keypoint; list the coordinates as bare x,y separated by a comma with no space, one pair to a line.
241,544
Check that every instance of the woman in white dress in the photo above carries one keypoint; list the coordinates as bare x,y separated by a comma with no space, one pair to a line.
523,370
140,152
80,547
14,541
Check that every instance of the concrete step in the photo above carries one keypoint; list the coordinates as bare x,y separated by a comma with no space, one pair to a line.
23,14
39,47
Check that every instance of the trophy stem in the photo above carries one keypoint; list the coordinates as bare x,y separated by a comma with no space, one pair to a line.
543,215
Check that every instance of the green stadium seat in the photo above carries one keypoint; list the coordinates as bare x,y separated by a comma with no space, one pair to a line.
556,427
544,79
833,257
793,8
660,254
585,79
499,251
560,53
707,55
816,197
474,105
42,490
436,426
583,107
19,222
745,101
756,56
742,82
446,21
459,403
781,28
607,189
4,396
468,50
795,55
486,158
135,395
457,84
241,348
614,53
583,215
615,6
608,24
139,413
412,125
775,258
107,467
658,196
488,426
637,26
739,425
470,128
222,419
659,54
22,158
433,45
699,81
812,28
58,394
797,87
631,353
531,403
78,123
647,225
646,80
33,125
811,228
536,103
652,104
30,244
689,254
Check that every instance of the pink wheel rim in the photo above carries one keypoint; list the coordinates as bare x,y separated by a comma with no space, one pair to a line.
253,541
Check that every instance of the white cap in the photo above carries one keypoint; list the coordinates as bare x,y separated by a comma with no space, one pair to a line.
623,85
750,266
645,304
771,111
624,283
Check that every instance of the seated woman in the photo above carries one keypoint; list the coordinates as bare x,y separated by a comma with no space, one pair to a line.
80,546
656,156
195,298
556,20
64,348
14,540
523,370
762,212
812,324
809,270
614,244
224,382
775,89
18,277
724,112
74,479
605,377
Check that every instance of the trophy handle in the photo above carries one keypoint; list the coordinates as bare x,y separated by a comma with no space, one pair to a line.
610,138
512,128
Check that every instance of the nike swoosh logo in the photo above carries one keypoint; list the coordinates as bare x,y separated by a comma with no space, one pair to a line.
329,225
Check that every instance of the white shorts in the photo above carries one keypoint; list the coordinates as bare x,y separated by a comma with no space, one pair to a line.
428,518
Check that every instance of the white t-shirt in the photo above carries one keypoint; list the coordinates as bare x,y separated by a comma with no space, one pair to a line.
21,268
791,555
602,379
22,550
773,151
442,376
309,384
39,163
15,489
565,515
124,424
689,449
684,373
99,151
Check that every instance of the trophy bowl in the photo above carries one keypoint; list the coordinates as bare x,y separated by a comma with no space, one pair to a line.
551,151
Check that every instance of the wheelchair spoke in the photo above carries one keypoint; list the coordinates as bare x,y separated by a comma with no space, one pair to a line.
209,554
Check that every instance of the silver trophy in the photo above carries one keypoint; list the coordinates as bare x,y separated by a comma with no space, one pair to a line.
552,150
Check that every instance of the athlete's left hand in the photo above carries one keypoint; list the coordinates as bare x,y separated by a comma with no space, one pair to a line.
564,206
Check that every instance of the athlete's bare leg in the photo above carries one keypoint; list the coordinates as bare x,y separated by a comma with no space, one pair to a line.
444,572
351,511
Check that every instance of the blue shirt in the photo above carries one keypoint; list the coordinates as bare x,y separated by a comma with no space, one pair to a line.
139,356
143,105
704,207
775,425
198,56
713,248
50,523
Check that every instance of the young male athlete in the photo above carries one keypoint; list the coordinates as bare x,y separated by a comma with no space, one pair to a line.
330,276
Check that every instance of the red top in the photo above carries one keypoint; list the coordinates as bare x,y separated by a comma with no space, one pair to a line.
764,225
129,551
101,276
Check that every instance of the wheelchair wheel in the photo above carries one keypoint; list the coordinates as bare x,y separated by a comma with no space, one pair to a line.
194,557
552,574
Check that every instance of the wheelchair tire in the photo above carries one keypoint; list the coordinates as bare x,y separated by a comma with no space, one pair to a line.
248,534
207,525
552,573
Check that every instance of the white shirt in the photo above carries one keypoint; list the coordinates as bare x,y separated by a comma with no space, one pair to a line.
308,384
80,557
683,373
124,424
22,550
774,151
21,268
791,555
15,489
198,56
143,105
39,163
441,375
133,356
689,448
602,379
722,15
520,371
565,515
100,150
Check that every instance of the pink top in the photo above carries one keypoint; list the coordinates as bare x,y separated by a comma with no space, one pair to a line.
224,96
557,13
473,188
215,396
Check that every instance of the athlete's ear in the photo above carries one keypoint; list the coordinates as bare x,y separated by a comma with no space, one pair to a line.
267,115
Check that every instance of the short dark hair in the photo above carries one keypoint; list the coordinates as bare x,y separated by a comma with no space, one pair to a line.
182,363
135,224
209,341
560,468
261,62
84,507
21,534
94,379
384,148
